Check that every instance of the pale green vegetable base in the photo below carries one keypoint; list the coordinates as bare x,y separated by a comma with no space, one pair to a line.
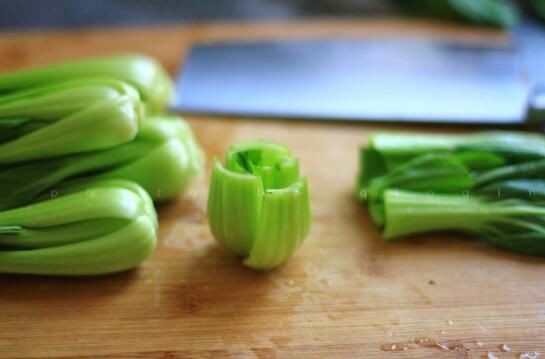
258,206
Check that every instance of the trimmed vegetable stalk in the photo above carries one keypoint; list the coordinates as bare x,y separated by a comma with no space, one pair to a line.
258,205
143,73
94,228
490,184
512,224
163,158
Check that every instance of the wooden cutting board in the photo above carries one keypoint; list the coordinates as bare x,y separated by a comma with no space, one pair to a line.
345,294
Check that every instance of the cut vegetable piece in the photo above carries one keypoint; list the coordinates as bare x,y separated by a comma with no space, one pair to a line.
488,185
478,155
258,205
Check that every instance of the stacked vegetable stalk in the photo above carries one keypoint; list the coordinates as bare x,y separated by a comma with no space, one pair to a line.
84,152
490,185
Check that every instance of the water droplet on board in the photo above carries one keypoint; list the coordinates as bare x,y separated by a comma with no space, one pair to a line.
530,355
430,343
394,347
433,343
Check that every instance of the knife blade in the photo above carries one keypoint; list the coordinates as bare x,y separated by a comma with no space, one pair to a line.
378,79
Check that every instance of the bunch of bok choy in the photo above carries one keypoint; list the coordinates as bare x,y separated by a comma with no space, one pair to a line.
84,150
489,184
162,158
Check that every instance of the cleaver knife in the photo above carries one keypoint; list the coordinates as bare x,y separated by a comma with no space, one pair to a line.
378,79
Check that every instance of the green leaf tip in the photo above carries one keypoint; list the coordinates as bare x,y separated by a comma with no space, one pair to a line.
258,205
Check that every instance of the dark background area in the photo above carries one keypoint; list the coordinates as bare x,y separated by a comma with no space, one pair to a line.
38,14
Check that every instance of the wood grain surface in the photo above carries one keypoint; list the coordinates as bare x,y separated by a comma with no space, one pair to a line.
343,295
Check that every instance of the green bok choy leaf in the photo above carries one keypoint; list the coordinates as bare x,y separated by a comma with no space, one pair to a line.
143,73
94,228
67,118
162,158
258,205
489,184
512,224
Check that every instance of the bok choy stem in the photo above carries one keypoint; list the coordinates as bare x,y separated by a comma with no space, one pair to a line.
141,72
163,158
68,118
96,228
512,224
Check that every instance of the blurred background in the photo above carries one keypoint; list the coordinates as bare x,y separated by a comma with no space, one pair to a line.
351,79
38,14
33,14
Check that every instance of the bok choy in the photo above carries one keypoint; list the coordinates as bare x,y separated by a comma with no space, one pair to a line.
78,106
84,151
514,224
162,158
259,205
94,228
488,184
143,73
65,118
